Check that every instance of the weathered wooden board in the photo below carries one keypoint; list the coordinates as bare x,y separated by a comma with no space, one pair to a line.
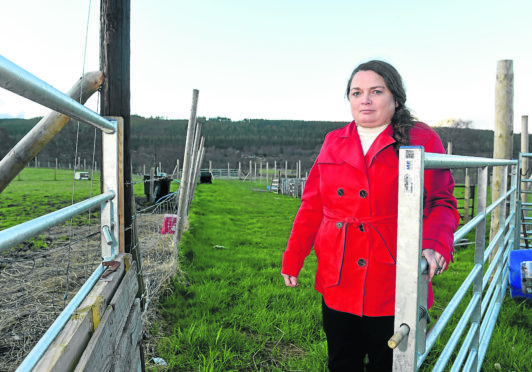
124,356
67,348
98,355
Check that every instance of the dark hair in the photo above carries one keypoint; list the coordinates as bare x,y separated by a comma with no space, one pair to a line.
402,119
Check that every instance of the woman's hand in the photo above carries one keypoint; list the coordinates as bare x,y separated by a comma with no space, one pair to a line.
437,263
290,281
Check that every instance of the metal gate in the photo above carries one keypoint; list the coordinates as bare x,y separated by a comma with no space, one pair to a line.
488,277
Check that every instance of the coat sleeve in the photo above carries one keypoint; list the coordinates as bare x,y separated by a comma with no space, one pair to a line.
306,225
440,215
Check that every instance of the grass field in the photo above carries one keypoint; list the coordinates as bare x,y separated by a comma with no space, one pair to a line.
232,312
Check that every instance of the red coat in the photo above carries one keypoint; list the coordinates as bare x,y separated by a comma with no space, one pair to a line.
349,214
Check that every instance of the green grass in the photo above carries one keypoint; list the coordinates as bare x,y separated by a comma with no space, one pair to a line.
36,193
232,312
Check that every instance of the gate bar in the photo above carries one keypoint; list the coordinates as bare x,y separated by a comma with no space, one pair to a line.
25,84
442,161
38,350
19,233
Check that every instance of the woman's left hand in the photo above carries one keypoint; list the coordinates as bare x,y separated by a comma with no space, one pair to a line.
437,263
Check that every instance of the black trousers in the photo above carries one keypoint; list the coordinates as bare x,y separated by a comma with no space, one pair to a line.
351,337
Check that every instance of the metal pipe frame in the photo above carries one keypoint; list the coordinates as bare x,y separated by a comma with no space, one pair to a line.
442,161
38,350
17,234
481,312
17,80
457,333
23,83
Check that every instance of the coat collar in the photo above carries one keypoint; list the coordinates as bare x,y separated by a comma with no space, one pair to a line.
352,152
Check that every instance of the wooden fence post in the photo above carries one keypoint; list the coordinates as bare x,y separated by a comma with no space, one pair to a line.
239,170
228,170
503,136
267,178
195,159
152,186
260,173
187,160
250,171
449,148
197,166
55,170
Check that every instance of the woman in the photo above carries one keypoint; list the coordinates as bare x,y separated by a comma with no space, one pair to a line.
349,214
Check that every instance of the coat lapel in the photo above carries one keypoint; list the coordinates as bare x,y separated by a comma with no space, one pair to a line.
384,140
351,148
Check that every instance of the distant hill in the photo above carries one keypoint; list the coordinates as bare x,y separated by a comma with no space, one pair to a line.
155,140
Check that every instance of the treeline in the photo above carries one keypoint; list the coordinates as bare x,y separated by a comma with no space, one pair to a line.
157,140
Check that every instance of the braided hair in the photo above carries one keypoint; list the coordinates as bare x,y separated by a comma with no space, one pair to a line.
402,119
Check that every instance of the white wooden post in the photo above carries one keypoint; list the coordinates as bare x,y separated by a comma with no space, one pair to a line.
267,175
112,212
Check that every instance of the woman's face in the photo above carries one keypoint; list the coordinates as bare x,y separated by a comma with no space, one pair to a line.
372,103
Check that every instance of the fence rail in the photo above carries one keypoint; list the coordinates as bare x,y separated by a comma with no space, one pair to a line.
25,84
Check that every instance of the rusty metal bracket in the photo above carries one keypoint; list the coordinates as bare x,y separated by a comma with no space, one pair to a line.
112,266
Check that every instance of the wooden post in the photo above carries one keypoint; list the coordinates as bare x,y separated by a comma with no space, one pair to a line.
503,136
260,173
250,171
195,159
176,171
197,166
187,160
43,132
449,148
228,170
152,186
115,92
144,169
210,166
239,170
255,173
55,170
524,149
267,170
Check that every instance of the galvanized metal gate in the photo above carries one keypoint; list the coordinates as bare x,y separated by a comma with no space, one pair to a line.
487,279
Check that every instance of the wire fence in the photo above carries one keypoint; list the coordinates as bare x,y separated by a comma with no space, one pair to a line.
39,277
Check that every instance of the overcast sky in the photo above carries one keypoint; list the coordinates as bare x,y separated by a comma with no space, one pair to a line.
281,59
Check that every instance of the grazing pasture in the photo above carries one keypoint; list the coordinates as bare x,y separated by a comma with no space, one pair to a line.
229,309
